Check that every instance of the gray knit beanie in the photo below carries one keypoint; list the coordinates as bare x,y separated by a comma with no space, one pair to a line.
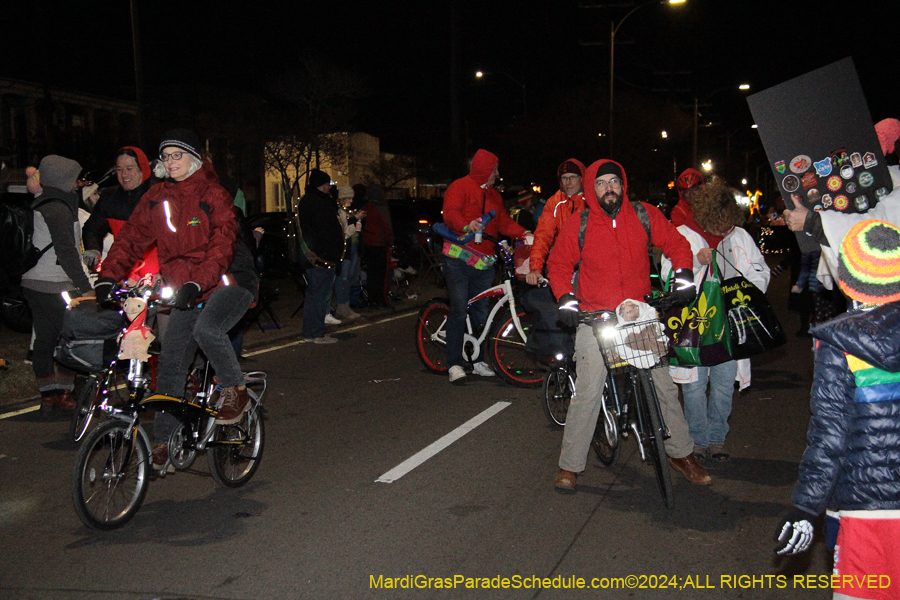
59,172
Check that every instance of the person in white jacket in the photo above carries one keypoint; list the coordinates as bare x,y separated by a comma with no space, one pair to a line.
716,211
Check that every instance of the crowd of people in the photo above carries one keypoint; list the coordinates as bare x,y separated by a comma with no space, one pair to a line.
175,220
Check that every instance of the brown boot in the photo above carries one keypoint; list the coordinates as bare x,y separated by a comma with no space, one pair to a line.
234,402
565,482
692,470
65,401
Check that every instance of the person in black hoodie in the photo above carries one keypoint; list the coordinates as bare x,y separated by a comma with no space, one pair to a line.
323,233
116,205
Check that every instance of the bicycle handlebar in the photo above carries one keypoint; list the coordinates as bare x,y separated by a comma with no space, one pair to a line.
661,301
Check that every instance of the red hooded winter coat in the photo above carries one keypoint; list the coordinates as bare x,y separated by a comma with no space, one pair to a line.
466,200
193,225
614,262
557,211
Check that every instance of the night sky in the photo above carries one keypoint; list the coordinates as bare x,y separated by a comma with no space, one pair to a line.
401,50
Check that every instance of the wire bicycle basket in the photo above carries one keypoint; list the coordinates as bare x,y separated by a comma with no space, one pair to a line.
637,345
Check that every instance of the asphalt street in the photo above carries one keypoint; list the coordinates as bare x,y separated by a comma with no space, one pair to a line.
316,523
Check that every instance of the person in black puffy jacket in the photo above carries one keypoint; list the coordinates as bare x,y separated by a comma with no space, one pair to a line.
852,461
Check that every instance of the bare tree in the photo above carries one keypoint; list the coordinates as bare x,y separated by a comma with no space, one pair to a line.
392,169
322,99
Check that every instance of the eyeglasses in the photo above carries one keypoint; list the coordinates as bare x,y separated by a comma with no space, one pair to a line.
568,178
602,183
173,156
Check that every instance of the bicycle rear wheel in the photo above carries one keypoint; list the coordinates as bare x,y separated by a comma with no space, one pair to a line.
653,439
558,388
607,442
431,336
236,449
110,476
507,355
87,401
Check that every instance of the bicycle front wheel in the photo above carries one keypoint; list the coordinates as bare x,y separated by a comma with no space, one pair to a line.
607,438
507,355
431,336
110,476
653,439
87,401
557,392
236,449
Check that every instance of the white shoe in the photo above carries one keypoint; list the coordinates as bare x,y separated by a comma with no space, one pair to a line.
457,374
482,368
330,320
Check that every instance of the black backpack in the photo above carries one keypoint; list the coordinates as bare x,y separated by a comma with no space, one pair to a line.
17,252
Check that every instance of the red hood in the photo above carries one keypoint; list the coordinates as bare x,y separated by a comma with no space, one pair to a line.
142,162
590,197
483,165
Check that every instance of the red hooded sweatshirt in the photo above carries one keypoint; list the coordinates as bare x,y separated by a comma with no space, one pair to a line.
470,197
614,262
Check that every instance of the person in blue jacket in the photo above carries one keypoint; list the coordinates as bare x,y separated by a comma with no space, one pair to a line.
852,461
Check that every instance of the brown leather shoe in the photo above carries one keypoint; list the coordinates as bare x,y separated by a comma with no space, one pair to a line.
160,459
234,403
565,482
692,470
64,401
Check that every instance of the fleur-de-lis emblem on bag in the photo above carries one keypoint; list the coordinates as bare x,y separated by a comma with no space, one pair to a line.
676,323
703,314
741,299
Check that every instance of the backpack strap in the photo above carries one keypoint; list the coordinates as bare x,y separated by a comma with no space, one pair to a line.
34,207
644,218
585,213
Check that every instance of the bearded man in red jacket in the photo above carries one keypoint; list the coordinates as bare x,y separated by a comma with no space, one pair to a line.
615,266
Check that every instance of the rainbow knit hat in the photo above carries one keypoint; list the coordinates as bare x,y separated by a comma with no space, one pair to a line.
869,263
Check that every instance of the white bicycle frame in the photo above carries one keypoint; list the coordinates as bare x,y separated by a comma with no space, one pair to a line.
502,290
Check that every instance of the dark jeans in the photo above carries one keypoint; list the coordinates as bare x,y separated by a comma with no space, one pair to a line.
206,327
377,272
48,311
464,282
319,282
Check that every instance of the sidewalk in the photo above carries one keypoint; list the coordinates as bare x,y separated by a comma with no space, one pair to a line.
17,385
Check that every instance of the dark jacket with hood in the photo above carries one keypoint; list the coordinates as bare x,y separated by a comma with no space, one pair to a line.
193,225
322,230
852,458
469,197
614,262
116,205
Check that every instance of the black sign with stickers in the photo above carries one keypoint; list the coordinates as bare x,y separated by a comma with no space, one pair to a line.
820,140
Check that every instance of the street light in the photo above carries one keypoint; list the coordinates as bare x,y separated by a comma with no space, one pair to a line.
480,74
743,87
613,29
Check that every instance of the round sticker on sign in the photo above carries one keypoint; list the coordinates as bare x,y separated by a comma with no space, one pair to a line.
800,164
841,202
790,183
846,171
835,183
866,179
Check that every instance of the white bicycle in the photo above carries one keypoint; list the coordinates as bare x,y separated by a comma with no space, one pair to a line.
502,339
